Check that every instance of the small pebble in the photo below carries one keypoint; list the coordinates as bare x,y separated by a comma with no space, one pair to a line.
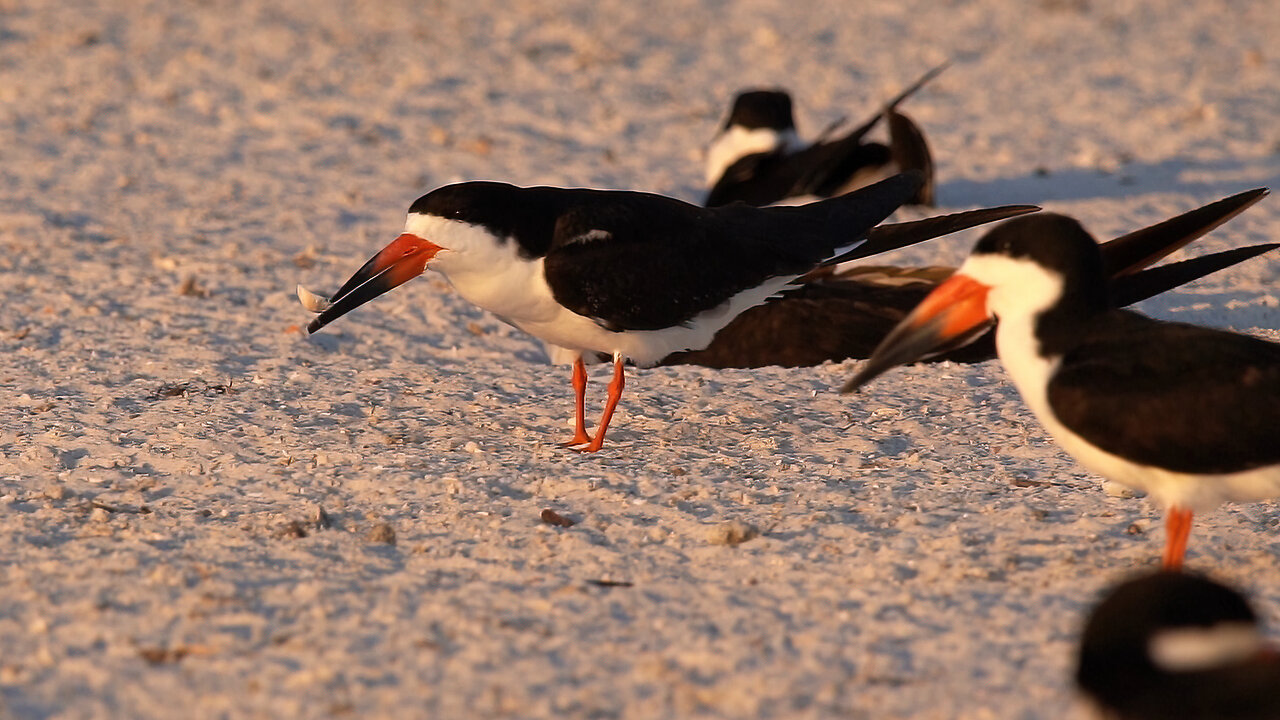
551,517
381,533
291,529
320,519
733,532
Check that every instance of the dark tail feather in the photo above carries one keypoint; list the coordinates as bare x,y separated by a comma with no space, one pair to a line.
909,151
893,236
931,74
1140,248
857,213
1135,287
890,106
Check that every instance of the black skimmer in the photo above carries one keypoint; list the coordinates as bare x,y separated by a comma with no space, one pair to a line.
1185,413
1173,645
757,157
634,275
839,313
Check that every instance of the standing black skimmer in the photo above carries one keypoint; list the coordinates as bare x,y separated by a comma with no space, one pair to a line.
757,157
1190,415
634,275
835,314
1173,645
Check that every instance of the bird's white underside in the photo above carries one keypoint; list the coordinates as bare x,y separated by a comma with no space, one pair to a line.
1020,291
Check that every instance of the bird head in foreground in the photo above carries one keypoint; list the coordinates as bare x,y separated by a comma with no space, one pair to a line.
1023,268
1173,644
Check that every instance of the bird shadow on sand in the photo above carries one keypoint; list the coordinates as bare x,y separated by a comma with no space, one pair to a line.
1209,180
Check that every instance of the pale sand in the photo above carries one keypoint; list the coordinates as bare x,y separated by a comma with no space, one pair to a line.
172,170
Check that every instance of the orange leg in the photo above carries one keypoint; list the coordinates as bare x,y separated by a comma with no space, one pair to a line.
1178,527
615,394
580,436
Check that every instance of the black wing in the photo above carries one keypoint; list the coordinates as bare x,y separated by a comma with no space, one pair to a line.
1138,286
1140,248
757,180
637,264
1180,397
911,152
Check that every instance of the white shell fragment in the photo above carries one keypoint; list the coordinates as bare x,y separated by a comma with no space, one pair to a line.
311,301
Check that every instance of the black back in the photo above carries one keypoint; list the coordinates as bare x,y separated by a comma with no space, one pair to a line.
660,269
1176,396
636,261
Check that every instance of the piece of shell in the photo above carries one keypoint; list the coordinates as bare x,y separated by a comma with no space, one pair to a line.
311,301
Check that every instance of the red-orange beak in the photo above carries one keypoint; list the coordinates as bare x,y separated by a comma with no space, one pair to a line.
951,316
398,263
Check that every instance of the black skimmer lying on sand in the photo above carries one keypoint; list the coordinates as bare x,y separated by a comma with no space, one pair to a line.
634,275
838,313
1173,645
1188,414
757,157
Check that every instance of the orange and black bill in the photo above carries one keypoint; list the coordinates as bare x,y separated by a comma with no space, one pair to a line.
954,314
401,261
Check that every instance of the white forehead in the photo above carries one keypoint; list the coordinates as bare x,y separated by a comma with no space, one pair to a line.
448,234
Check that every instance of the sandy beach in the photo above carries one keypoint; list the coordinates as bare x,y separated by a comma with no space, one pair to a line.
204,513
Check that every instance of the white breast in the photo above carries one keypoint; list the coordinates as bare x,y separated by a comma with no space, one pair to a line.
738,142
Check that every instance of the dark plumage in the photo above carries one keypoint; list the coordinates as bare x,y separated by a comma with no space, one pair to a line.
1174,645
830,165
1187,414
838,315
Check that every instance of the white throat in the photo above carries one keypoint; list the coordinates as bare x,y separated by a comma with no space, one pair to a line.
1021,290
486,270
738,142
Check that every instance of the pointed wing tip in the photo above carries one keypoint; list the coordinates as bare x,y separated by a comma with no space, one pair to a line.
1242,200
1238,203
903,186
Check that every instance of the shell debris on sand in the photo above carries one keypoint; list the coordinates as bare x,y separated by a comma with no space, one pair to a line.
878,588
311,301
